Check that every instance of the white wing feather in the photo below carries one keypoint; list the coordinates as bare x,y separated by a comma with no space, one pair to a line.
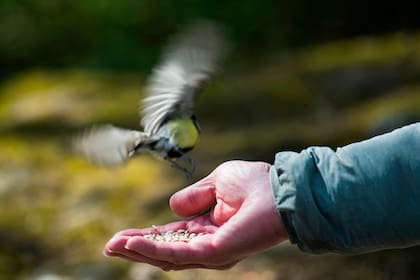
108,145
188,62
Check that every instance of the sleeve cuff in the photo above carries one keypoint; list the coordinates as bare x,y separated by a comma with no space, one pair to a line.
284,192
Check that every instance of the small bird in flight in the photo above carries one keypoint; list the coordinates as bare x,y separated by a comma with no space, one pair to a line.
170,128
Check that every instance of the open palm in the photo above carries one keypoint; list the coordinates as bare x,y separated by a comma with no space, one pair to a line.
243,220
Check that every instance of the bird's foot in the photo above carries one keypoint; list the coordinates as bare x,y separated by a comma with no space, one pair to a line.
188,171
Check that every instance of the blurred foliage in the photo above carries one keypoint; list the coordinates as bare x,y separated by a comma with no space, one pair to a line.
300,73
128,34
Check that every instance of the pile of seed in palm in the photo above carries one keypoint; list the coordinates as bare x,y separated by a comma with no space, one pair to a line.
181,235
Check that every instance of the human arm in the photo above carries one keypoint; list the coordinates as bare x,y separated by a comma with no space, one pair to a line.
360,198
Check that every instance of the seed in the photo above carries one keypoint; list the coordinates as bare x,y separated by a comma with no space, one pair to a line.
181,235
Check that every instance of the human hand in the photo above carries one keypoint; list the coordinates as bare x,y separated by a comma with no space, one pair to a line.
243,221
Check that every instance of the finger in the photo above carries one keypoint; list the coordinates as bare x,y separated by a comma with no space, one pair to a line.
134,257
196,265
194,199
153,229
197,225
131,232
199,250
121,237
114,244
116,248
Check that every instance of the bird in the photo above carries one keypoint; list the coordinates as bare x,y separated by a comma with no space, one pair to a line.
169,126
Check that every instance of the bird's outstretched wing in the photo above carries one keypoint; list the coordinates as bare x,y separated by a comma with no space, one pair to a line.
107,145
188,62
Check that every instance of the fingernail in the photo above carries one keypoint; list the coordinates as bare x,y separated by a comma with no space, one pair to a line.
126,244
105,253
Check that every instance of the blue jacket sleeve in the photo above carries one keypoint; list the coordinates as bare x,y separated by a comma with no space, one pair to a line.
360,198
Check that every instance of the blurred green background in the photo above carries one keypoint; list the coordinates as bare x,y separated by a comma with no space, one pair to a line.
300,73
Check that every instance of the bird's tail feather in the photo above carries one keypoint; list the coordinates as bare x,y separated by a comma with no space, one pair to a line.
108,145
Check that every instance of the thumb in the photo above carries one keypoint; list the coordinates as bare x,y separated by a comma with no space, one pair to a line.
193,199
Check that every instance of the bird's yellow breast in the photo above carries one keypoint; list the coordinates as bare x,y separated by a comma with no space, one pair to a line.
184,132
